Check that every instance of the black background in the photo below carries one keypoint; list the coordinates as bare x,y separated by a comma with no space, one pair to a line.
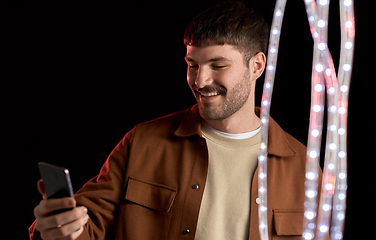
76,76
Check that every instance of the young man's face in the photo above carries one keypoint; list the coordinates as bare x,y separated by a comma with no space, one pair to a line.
219,80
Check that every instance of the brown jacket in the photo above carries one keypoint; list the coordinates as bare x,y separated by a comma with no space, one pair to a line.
146,190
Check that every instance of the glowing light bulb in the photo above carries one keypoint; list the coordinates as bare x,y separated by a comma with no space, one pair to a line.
315,133
319,68
346,67
344,88
321,23
348,45
321,46
323,228
318,87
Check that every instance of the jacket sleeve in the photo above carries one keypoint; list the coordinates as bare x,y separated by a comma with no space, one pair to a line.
102,194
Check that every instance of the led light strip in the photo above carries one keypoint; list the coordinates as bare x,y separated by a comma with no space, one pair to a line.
264,115
334,180
322,68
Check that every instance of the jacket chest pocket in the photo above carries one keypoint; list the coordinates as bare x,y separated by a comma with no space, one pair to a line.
146,213
288,223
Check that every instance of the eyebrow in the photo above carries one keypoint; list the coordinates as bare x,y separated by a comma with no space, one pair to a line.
214,59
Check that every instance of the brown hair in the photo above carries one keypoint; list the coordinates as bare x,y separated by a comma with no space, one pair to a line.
232,23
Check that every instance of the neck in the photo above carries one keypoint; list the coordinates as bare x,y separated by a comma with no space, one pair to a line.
244,120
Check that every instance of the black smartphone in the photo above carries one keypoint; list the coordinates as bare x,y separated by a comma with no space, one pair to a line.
57,182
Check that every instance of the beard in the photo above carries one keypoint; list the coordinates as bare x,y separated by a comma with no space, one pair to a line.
232,100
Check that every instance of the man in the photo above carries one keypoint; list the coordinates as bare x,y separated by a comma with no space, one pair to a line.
193,174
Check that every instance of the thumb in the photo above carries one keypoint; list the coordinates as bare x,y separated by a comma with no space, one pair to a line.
40,186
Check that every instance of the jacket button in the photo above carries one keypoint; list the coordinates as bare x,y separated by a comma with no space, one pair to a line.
186,231
195,187
258,201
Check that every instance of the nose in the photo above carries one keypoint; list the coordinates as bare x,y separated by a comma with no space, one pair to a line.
203,77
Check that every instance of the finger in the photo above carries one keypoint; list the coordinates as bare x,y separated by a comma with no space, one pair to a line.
68,231
75,235
64,218
46,207
41,190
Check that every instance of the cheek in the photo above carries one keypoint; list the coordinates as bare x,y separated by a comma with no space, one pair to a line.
191,77
228,78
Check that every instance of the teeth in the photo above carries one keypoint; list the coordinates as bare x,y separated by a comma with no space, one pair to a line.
210,94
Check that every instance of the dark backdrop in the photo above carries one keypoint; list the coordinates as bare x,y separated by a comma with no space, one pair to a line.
75,77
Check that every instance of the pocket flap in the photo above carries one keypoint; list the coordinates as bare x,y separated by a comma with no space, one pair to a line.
150,195
288,222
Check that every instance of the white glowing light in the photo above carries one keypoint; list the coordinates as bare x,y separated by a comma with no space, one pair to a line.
340,216
326,207
331,90
321,46
310,193
342,175
318,87
321,23
346,67
344,88
332,146
347,3
310,215
341,131
313,154
275,31
328,71
317,108
265,102
328,186
348,45
331,166
270,68
319,67
332,127
315,133
278,13
333,108
323,2
310,175
341,110
342,154
341,196
323,228
308,235
348,24
338,235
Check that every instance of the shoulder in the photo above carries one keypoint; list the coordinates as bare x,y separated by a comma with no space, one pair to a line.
165,125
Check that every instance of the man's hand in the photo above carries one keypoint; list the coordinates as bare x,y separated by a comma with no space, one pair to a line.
66,225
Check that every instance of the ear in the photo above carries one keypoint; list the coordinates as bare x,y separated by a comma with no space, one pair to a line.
257,65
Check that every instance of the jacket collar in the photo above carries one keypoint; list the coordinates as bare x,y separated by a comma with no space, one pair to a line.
278,144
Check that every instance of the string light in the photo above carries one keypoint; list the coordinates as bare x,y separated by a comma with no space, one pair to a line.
334,181
264,115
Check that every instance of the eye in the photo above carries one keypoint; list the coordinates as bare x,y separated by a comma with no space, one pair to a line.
218,66
193,66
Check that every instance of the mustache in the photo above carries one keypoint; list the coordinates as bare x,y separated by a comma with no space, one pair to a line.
219,89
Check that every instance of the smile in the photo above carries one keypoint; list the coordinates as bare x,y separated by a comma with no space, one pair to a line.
209,94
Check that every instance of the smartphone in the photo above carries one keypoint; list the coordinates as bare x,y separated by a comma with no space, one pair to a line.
57,182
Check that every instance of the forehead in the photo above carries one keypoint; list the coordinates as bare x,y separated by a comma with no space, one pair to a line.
205,54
